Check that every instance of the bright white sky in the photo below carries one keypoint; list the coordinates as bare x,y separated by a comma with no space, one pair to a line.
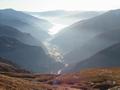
38,5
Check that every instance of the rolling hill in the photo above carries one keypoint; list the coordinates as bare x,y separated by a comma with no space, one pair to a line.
32,58
91,79
108,57
94,45
94,79
25,23
65,17
8,66
89,36
12,78
23,37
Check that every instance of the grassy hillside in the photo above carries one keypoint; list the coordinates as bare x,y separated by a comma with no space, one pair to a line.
90,79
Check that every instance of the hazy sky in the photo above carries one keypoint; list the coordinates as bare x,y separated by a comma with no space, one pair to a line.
38,5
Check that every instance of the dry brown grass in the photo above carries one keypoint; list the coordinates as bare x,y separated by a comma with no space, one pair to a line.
31,77
12,83
85,80
91,78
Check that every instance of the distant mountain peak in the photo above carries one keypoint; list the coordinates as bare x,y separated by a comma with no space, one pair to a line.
8,9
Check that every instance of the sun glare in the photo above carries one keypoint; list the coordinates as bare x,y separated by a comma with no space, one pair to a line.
41,5
56,28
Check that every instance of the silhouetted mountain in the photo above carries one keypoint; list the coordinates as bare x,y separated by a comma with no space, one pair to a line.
108,57
82,38
66,17
75,16
8,66
29,57
25,23
54,13
14,33
83,14
94,45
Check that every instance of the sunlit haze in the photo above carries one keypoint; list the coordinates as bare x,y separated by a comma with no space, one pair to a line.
41,5
56,28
